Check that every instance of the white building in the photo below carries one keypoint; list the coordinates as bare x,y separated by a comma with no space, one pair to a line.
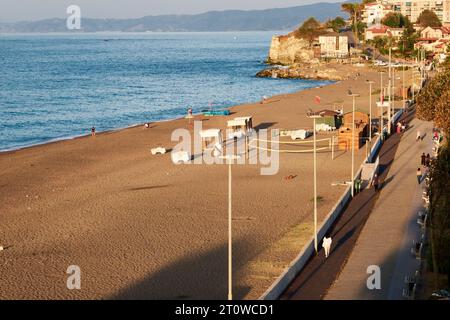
373,13
334,45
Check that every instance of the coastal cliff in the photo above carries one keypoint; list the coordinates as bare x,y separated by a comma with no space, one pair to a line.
291,57
289,49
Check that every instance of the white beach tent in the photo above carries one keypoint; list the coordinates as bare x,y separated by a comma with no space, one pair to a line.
211,139
241,126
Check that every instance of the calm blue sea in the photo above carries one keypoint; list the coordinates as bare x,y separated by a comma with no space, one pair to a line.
59,86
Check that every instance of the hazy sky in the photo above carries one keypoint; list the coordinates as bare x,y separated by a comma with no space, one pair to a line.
18,10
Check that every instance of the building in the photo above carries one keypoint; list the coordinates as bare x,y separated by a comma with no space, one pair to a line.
435,33
434,40
373,13
413,8
383,31
335,45
436,47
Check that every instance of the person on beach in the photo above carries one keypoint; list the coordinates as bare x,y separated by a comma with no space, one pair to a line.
93,131
326,244
423,159
419,136
419,175
264,99
428,160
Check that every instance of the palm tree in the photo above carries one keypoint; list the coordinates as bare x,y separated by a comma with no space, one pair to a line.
355,12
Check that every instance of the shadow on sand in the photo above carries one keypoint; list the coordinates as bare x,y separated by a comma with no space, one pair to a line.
202,276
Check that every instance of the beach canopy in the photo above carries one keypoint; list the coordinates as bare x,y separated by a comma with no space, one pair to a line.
241,122
210,133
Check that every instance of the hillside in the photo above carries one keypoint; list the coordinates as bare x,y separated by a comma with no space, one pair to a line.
231,20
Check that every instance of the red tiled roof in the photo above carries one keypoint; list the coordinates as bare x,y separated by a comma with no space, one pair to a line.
428,39
378,29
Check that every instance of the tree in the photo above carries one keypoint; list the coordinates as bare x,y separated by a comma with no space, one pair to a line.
336,24
428,18
395,20
442,111
381,43
309,30
355,12
432,104
408,39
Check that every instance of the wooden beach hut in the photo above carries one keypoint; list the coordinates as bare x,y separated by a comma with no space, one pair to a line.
345,131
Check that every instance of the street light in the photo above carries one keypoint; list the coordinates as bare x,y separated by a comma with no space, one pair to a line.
403,87
230,159
382,97
370,82
315,116
389,90
353,95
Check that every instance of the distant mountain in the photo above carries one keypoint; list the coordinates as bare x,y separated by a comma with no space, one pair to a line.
231,20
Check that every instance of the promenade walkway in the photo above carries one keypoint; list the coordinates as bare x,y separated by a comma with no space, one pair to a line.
388,235
319,273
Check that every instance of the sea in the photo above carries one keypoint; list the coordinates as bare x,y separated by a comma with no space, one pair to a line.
55,87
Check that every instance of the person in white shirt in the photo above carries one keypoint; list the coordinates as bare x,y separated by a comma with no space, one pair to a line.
326,244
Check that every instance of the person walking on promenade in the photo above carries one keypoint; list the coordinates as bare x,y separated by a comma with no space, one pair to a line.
358,184
423,159
376,182
428,160
419,175
326,244
419,136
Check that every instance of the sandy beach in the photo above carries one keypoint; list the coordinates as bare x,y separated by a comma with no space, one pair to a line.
140,227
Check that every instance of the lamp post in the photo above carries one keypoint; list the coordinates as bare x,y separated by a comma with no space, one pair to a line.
370,108
390,90
353,95
403,87
391,109
315,116
382,97
230,159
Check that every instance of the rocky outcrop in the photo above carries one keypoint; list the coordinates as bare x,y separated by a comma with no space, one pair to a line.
289,49
316,71
293,58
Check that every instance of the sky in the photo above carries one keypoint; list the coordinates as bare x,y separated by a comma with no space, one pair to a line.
26,10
